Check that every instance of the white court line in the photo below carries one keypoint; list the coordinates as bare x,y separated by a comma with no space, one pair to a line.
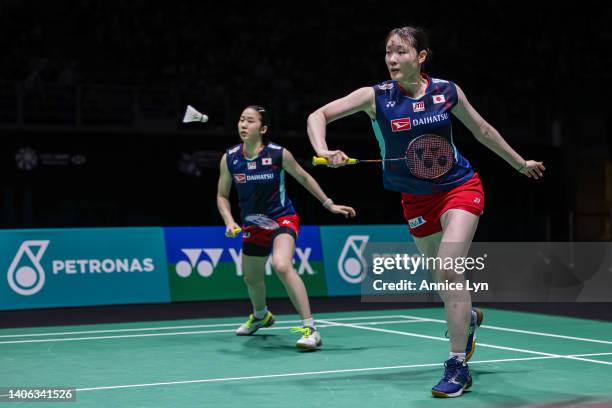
197,326
479,344
559,336
353,370
128,336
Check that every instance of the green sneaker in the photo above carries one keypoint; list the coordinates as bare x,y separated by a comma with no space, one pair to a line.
253,324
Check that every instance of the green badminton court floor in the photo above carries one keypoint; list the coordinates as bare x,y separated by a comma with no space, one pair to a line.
369,359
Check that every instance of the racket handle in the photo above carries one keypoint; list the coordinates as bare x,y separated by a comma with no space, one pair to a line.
318,161
236,231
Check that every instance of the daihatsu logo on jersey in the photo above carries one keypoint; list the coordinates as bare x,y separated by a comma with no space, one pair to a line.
260,177
400,125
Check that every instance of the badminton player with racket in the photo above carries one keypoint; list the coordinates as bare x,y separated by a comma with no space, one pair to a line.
257,168
442,196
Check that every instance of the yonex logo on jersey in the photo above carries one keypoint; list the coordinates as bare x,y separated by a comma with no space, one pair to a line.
390,104
266,161
415,222
240,178
252,165
438,99
286,222
385,86
418,106
400,125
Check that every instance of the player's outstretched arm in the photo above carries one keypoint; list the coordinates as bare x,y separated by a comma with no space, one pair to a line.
223,203
297,172
490,137
357,101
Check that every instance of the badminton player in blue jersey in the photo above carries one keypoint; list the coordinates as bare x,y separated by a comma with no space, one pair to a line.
257,168
442,196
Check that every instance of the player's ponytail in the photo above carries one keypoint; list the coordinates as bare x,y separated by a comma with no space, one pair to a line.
416,37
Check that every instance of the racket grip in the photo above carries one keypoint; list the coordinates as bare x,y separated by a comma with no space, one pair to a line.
236,231
318,161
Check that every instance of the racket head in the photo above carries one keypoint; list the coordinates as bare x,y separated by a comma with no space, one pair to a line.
430,156
262,221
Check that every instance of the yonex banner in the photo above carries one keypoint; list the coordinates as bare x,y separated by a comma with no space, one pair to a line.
82,267
203,264
343,252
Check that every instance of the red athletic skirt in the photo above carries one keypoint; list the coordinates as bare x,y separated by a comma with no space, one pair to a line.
423,212
257,241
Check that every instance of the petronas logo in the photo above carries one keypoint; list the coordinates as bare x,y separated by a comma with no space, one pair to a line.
351,264
26,275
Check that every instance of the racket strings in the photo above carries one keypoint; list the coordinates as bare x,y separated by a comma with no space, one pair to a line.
262,221
430,156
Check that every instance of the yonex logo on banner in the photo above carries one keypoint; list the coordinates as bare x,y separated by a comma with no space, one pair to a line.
27,280
351,264
204,267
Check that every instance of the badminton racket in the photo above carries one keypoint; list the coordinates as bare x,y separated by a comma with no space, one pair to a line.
428,156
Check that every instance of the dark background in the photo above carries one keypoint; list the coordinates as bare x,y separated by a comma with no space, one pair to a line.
92,94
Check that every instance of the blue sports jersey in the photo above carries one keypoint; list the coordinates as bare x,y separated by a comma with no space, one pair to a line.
260,182
433,163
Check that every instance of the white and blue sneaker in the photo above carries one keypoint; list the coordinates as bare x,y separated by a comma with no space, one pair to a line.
456,379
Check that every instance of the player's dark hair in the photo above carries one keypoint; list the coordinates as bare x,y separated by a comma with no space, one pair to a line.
264,117
416,37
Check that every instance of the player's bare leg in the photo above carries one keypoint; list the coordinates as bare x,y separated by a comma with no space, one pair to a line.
458,228
282,261
254,268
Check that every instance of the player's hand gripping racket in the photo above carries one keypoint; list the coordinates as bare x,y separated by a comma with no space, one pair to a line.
428,156
232,232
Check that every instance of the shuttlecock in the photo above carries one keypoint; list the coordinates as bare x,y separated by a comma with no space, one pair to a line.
192,115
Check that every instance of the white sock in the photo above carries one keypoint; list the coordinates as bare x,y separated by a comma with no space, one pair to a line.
260,314
460,356
309,322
